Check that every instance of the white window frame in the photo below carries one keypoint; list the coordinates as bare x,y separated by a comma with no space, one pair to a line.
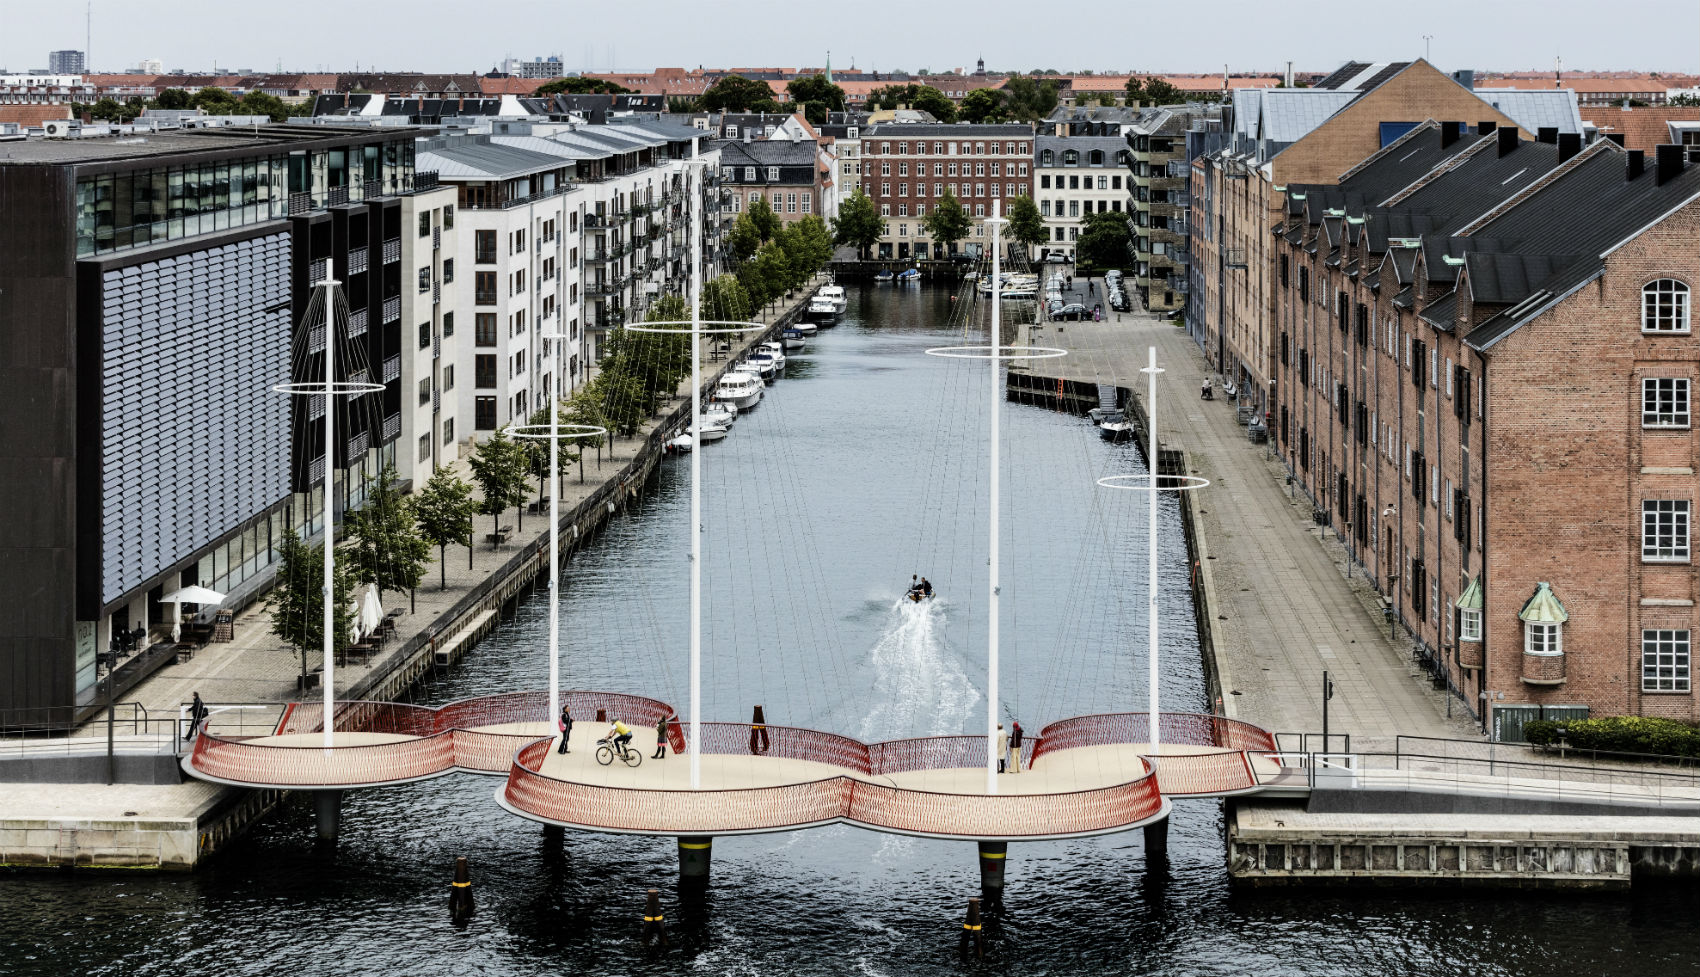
1469,624
1665,307
1665,659
1654,399
1665,541
773,174
1546,640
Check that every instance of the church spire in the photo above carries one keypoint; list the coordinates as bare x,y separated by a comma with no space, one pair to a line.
829,67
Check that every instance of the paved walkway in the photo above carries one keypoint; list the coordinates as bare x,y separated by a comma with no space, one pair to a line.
1284,609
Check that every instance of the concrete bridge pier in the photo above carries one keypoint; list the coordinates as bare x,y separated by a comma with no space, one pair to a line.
993,856
696,853
327,810
1157,844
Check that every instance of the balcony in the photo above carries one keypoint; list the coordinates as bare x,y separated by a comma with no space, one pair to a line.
1234,257
602,288
392,251
357,259
484,296
356,323
1470,655
392,369
484,256
424,180
595,222
519,201
392,427
337,197
436,239
392,310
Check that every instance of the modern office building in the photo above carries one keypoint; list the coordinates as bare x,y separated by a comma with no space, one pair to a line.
66,63
150,288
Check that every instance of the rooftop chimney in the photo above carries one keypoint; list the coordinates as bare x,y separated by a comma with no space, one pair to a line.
1448,133
1636,165
1508,138
1288,77
1569,144
1465,77
1668,162
1616,137
1547,134
1484,128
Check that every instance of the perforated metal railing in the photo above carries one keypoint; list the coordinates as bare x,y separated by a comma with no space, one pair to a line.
1207,774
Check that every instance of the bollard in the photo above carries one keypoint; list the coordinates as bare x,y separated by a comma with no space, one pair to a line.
654,929
327,811
973,937
696,854
758,733
993,856
460,892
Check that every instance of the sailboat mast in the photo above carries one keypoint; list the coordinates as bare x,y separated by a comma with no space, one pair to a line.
994,343
330,501
696,189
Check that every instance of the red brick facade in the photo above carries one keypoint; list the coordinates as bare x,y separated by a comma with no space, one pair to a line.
907,167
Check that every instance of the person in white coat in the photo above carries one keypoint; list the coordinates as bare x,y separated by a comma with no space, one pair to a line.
1003,748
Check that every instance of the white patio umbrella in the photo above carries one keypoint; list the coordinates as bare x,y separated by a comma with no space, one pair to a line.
188,595
371,610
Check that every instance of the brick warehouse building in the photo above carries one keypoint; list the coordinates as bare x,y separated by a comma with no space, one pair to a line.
907,166
1484,362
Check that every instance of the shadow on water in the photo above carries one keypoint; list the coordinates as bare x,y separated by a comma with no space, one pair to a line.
820,505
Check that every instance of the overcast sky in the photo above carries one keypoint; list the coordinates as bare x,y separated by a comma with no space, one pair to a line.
1104,35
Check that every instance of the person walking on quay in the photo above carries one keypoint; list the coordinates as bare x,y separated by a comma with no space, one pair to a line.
660,739
197,712
1003,747
565,725
1091,287
1015,744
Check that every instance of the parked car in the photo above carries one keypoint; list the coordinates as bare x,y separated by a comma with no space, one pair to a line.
1073,312
1052,305
962,259
1058,257
1118,301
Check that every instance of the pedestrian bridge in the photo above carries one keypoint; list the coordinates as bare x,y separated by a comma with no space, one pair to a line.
1083,776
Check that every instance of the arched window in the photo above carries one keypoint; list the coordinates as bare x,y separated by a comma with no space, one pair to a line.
1096,157
1664,306
1047,158
1071,157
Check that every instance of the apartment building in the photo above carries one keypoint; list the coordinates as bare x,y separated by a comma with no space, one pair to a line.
787,172
908,166
159,283
1310,135
1077,175
1483,379
1161,203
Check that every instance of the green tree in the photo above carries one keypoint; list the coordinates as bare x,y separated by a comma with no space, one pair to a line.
1104,240
983,105
583,409
444,509
499,468
580,86
172,98
297,598
1152,91
766,221
816,241
858,224
383,546
1685,98
620,399
684,104
537,449
214,101
260,103
735,93
1025,224
1027,99
724,300
1103,98
929,99
743,240
816,89
106,110
948,222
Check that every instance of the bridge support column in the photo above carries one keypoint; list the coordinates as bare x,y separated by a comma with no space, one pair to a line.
993,856
1157,842
327,808
695,854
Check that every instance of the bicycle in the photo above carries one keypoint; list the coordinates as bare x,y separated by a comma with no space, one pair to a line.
606,751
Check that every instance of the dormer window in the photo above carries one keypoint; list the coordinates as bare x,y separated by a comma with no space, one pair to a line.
773,174
731,132
1096,157
1071,157
1664,306
1047,158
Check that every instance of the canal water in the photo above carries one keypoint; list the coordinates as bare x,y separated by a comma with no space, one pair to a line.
864,465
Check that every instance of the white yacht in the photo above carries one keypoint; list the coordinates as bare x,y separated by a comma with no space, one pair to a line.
721,414
805,327
792,340
739,390
710,432
822,308
835,295
774,349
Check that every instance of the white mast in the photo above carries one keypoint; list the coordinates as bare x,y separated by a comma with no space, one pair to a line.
695,188
554,395
1151,372
330,500
994,347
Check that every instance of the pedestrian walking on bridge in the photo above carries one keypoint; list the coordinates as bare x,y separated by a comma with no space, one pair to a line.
660,739
565,725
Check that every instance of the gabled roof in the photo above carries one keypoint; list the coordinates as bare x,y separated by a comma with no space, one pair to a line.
1535,110
1505,279
1289,114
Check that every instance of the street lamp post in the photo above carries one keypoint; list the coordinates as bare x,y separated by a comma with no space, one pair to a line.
1392,582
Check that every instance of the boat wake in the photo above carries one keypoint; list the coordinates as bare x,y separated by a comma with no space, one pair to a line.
920,688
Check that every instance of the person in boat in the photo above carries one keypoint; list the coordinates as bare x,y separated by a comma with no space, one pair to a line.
926,588
914,587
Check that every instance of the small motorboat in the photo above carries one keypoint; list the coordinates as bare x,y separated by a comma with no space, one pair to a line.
806,327
884,278
1116,427
760,365
720,413
909,275
739,390
710,433
919,591
774,350
835,295
680,445
791,339
820,308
